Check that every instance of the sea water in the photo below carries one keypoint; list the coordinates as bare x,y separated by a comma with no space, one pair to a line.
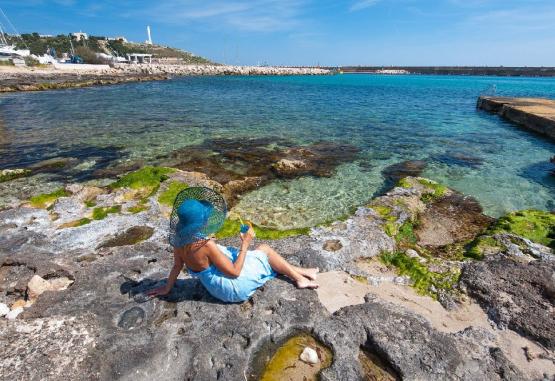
390,118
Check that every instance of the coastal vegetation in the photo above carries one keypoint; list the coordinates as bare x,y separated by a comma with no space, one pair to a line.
87,49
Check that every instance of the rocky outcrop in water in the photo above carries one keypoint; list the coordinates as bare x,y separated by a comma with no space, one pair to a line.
75,270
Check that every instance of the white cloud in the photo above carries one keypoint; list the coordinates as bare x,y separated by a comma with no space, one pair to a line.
362,4
261,15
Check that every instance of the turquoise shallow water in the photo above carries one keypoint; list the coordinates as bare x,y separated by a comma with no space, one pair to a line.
390,118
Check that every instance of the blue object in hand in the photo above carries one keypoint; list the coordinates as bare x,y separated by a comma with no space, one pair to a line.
244,228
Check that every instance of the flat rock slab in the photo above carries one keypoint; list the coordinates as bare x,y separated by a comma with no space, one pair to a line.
536,114
516,295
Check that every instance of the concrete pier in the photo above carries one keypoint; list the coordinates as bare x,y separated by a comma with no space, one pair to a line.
535,114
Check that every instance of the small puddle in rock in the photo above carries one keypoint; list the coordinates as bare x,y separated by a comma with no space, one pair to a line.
374,368
276,362
132,318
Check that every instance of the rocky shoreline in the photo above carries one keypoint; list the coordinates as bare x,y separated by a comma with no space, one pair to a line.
24,79
417,284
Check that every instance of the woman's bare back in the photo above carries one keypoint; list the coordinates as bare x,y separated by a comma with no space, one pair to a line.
195,257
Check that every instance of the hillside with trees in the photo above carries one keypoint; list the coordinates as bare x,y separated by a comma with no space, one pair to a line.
88,48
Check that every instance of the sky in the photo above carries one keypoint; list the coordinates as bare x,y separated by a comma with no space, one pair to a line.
314,32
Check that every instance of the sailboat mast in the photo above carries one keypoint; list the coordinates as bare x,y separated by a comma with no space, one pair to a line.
3,40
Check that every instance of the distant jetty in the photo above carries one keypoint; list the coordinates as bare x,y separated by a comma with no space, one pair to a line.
535,114
453,70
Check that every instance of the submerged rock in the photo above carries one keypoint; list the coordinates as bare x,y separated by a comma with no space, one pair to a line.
396,172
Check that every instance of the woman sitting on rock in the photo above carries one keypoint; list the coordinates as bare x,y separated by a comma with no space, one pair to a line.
229,274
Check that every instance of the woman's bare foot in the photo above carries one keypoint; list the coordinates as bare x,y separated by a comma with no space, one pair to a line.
305,283
311,273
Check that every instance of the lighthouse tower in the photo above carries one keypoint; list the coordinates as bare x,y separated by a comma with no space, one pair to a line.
149,40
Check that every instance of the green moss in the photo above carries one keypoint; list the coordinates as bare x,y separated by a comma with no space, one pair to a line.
404,183
90,204
12,174
438,190
406,237
423,279
137,208
536,225
391,229
231,228
148,178
102,212
383,211
168,196
46,199
478,247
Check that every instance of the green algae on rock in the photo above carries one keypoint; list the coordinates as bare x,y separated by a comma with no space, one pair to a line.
480,247
137,208
102,212
536,225
439,190
232,227
145,178
168,196
12,174
285,363
44,200
425,281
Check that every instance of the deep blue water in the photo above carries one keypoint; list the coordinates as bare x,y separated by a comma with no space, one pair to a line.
391,118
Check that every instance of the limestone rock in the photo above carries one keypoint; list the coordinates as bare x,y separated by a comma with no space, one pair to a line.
4,309
517,295
37,286
13,314
19,303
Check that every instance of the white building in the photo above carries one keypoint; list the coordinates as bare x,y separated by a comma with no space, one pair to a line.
118,38
139,58
80,36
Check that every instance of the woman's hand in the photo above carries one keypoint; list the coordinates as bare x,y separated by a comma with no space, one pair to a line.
159,291
247,237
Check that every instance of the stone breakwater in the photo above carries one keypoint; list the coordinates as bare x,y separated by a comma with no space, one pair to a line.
24,79
403,292
532,113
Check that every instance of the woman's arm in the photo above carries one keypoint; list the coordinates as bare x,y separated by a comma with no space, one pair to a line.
174,273
222,263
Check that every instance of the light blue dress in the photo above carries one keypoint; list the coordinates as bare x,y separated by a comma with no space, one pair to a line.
256,271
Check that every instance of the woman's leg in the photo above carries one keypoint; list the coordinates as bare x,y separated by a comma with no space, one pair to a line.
281,266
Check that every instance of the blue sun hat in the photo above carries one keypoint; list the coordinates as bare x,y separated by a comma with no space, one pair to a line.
197,213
